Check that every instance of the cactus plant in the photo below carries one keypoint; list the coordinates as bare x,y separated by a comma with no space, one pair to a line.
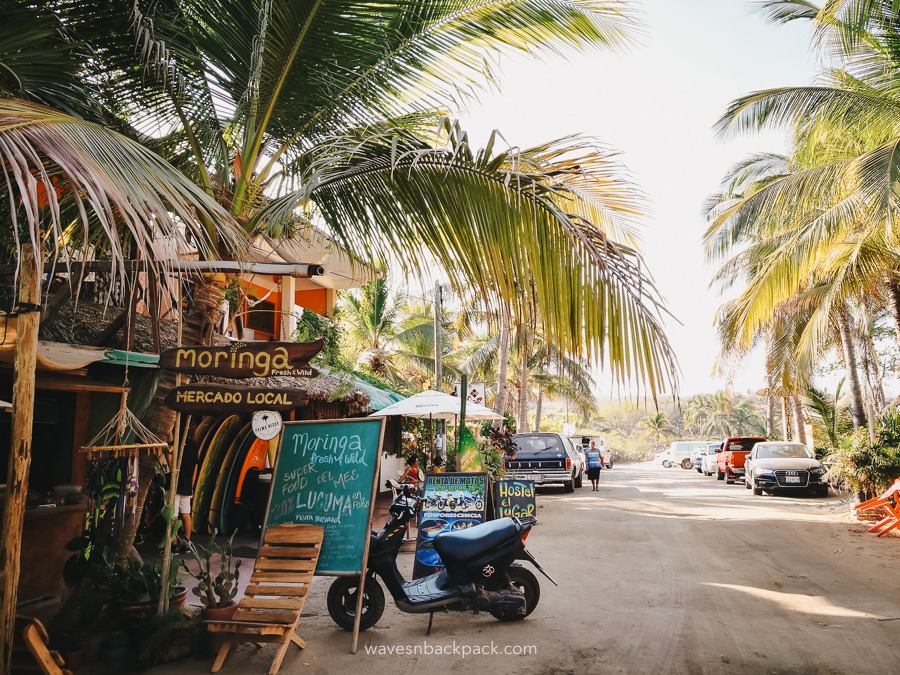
214,590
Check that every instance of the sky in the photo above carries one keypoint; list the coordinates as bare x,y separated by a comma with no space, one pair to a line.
656,104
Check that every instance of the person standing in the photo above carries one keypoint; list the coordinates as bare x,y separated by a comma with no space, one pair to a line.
594,463
184,490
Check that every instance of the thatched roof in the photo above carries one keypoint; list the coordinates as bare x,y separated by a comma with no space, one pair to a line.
87,322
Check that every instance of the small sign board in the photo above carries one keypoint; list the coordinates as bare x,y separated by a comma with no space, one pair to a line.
224,399
266,424
514,498
451,502
326,474
241,360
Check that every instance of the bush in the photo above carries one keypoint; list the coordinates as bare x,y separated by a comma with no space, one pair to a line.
867,468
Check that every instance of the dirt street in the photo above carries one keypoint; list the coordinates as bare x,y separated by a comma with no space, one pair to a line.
662,571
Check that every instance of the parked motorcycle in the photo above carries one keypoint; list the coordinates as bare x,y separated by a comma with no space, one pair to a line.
480,573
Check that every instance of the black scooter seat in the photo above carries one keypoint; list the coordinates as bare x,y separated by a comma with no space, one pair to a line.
473,542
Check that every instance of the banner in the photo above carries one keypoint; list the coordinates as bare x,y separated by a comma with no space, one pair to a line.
469,460
451,502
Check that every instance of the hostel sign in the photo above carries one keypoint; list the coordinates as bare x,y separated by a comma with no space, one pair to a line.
241,360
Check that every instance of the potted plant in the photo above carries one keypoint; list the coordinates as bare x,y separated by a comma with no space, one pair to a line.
138,586
217,573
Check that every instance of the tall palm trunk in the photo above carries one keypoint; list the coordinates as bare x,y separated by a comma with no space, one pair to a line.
799,420
785,436
502,367
857,409
894,303
538,408
770,408
199,323
523,380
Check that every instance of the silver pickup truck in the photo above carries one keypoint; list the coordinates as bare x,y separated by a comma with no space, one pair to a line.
547,459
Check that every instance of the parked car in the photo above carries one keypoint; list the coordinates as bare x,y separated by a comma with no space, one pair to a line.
697,455
784,465
710,459
730,465
679,454
547,459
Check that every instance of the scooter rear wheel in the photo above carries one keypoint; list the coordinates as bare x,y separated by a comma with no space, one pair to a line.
342,602
525,581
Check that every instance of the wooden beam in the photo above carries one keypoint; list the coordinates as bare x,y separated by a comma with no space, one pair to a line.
20,451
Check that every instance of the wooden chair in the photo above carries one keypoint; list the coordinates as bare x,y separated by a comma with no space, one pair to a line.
30,651
885,497
270,609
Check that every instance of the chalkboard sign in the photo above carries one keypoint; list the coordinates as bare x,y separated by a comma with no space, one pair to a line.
325,474
514,498
451,502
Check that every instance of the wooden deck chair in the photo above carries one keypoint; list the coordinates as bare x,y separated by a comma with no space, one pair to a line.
31,653
884,498
270,609
891,519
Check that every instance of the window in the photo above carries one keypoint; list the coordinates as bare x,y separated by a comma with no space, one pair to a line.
261,317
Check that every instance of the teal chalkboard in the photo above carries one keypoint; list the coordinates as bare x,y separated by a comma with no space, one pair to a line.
325,474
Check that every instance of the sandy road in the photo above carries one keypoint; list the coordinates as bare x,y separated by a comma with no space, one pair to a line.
662,571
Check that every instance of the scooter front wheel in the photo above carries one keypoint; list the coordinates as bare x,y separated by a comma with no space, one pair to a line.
342,602
524,580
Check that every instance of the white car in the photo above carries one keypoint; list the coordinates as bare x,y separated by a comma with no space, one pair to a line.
679,454
710,459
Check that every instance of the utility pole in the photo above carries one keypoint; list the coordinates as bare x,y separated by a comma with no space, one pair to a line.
437,336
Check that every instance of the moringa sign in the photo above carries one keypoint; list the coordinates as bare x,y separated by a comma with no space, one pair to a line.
223,399
244,359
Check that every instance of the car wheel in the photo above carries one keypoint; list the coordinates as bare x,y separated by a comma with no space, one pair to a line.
667,464
609,466
707,473
747,482
729,480
822,491
579,480
699,470
720,475
756,490
569,485
686,464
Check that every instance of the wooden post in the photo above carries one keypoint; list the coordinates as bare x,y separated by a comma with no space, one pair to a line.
20,449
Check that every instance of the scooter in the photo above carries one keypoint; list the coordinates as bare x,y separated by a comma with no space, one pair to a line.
479,572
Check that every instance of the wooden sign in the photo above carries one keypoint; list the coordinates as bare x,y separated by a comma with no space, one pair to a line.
451,502
325,474
514,498
222,399
244,359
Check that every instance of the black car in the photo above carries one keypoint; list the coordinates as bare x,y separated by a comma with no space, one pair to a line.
784,465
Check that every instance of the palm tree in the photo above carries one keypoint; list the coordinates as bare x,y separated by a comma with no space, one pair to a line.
657,428
333,114
391,339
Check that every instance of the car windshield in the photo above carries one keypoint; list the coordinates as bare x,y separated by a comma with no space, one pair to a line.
712,447
537,445
782,450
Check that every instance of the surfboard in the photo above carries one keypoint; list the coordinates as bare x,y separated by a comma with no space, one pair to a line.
215,505
253,454
203,442
209,470
201,426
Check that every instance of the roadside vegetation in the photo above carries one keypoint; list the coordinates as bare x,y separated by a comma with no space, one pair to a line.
809,241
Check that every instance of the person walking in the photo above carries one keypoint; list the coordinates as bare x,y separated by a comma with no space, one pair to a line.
594,464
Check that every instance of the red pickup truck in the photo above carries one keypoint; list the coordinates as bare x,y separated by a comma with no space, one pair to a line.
731,457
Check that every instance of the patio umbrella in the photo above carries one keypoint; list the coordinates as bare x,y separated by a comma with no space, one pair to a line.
436,405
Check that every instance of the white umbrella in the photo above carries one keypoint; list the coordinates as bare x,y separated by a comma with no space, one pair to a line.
436,405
